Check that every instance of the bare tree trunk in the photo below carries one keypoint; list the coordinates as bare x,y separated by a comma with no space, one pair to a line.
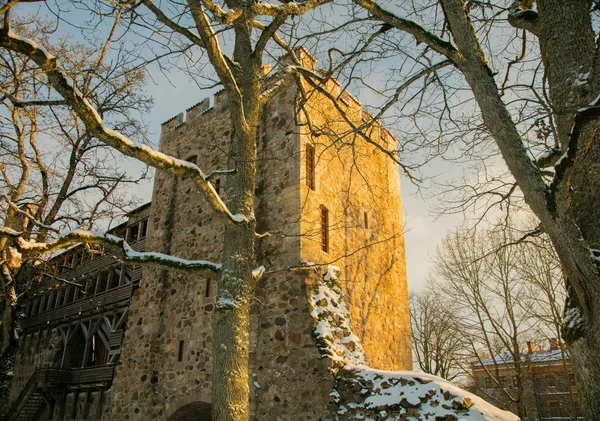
558,213
230,391
230,328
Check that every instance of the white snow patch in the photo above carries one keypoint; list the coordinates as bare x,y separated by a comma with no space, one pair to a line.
592,104
239,218
388,393
581,79
226,303
425,391
573,317
258,273
333,322
33,44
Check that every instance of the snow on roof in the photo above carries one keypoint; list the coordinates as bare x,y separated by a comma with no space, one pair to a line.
363,393
535,357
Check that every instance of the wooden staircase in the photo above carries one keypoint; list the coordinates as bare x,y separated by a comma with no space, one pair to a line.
47,383
31,409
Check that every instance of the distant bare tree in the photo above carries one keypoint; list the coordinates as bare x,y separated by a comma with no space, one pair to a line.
436,335
477,271
54,175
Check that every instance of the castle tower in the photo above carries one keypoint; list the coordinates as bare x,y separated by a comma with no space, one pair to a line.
329,198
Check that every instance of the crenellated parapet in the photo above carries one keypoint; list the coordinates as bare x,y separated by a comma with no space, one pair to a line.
347,102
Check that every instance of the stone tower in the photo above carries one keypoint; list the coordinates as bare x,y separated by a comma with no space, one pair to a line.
329,197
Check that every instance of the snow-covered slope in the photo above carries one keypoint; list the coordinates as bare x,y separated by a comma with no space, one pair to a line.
362,393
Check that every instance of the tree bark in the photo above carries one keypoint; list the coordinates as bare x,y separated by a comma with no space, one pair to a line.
572,232
230,391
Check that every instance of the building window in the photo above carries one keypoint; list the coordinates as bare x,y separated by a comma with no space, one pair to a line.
503,382
143,228
310,167
50,303
180,353
72,295
91,287
102,281
59,297
324,229
550,380
132,233
34,307
121,232
114,277
489,383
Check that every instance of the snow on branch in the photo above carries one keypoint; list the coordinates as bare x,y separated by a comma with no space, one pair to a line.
29,248
95,125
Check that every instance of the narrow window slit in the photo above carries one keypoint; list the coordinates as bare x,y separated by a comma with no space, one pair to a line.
310,167
180,353
324,229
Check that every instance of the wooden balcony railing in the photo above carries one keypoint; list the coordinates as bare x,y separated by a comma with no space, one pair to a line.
115,297
99,263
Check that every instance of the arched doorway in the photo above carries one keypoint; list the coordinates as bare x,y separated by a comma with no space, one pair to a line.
195,411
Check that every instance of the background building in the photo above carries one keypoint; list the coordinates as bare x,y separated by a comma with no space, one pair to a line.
549,386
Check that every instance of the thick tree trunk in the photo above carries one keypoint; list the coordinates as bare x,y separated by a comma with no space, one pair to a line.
230,391
586,366
570,214
230,327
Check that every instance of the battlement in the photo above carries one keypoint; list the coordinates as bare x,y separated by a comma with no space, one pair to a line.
193,112
351,105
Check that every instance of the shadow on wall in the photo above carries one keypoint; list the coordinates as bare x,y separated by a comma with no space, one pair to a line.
199,411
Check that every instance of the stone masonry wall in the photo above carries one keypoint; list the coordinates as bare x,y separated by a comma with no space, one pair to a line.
170,319
360,187
288,379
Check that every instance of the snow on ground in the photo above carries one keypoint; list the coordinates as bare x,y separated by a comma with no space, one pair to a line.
363,393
